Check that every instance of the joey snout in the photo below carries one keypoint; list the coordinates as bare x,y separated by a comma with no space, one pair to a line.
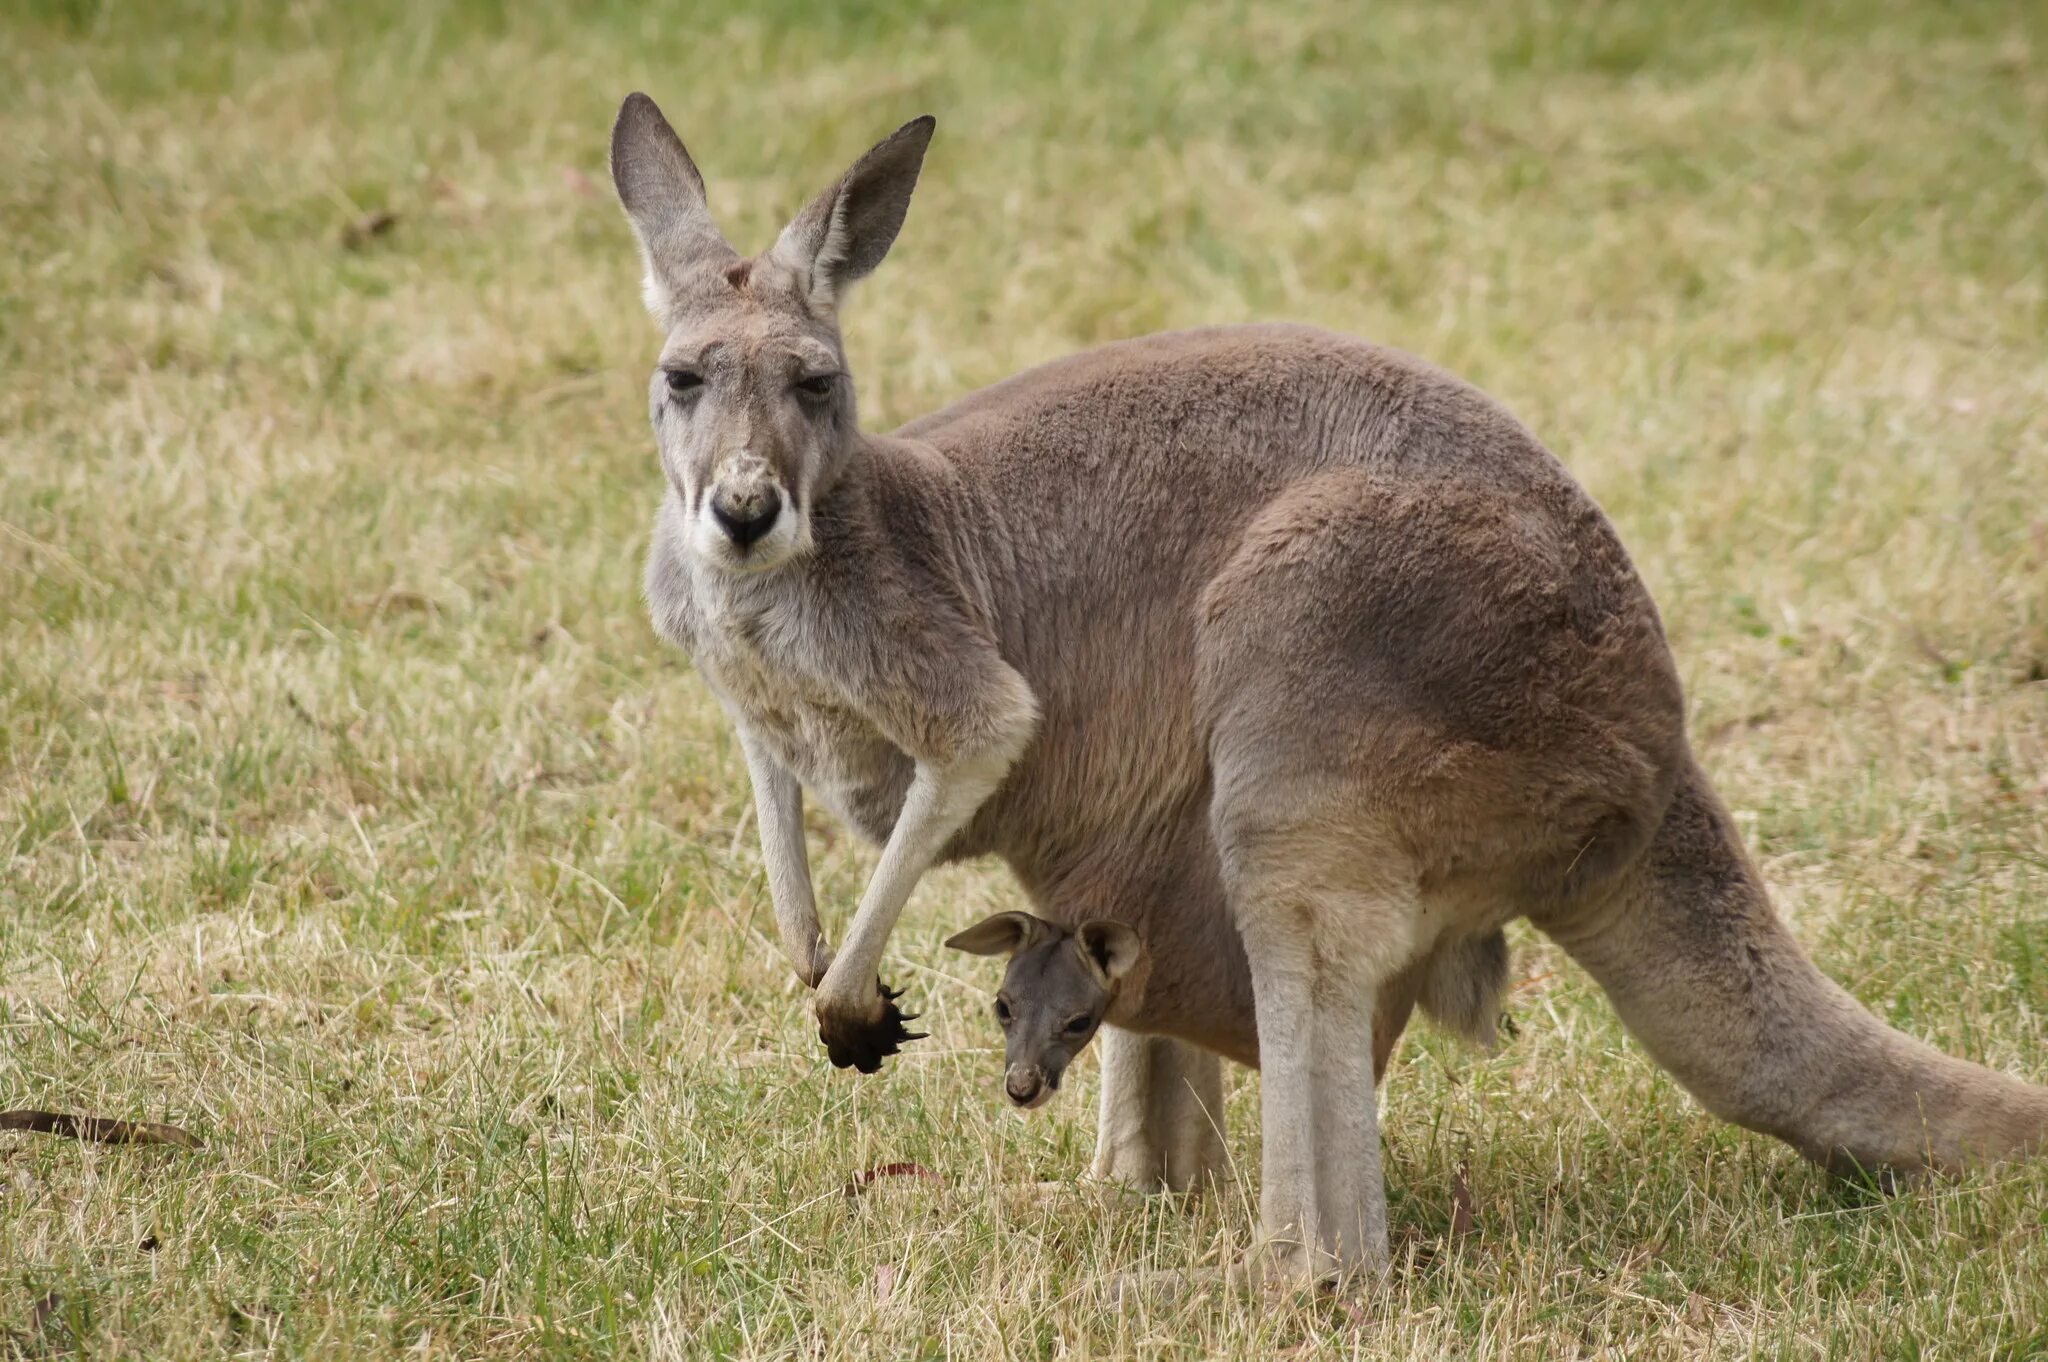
1029,1086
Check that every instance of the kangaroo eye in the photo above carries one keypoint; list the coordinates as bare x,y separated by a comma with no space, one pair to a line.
683,382
1080,1026
1002,1011
817,385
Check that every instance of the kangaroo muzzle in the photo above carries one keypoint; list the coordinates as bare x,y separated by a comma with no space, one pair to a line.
1027,1087
747,514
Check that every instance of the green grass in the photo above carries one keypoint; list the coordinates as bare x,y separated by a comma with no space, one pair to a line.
353,818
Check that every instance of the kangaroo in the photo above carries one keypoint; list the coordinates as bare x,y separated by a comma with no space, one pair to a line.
1061,984
1281,646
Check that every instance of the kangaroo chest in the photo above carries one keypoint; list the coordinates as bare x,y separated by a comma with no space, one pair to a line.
754,659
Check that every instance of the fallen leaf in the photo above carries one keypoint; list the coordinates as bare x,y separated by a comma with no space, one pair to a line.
97,1129
860,1182
1463,1221
885,1283
32,1341
367,228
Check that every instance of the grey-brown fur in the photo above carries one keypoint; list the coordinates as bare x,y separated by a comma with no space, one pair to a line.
1283,648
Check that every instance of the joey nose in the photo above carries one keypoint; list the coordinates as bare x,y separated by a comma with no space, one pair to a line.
1024,1086
747,516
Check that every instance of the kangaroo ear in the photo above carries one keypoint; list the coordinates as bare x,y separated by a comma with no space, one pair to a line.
1003,934
664,197
1110,947
848,229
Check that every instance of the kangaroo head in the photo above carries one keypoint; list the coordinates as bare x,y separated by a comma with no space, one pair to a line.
752,406
1056,990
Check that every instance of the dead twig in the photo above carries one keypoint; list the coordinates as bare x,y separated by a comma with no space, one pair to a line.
98,1129
368,228
1464,1218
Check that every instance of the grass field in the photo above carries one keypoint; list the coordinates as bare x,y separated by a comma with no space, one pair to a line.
353,819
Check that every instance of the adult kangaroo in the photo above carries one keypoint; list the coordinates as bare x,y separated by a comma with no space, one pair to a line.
1259,627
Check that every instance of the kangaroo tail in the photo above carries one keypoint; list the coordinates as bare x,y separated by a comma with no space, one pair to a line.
1707,977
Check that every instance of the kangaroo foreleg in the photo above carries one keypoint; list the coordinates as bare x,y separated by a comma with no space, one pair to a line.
857,1019
779,809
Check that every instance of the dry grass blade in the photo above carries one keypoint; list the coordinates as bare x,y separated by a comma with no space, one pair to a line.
98,1129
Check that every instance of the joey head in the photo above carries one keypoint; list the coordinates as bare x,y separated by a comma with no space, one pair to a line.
1057,990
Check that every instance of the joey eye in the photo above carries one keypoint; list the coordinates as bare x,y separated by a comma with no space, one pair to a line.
817,385
683,382
1003,1011
1080,1026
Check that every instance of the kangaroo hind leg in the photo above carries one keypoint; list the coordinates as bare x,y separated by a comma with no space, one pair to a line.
1326,929
1160,1126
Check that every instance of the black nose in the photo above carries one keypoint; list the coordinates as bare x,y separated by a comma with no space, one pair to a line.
745,519
1021,1087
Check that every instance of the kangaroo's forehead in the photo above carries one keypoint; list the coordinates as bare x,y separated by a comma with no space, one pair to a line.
718,325
742,338
762,290
1046,970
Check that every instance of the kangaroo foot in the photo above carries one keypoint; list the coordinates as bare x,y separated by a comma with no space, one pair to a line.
1289,1265
1164,1286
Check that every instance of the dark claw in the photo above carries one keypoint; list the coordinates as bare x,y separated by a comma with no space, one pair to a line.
864,1048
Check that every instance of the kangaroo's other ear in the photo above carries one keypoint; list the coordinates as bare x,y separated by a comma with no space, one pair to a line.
664,197
1003,934
848,229
1111,948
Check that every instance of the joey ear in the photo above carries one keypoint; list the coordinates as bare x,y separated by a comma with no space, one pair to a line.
846,230
663,196
1003,934
1110,947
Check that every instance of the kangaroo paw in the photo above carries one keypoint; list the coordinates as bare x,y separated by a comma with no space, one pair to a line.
862,1043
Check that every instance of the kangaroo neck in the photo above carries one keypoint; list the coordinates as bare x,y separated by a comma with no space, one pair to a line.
905,500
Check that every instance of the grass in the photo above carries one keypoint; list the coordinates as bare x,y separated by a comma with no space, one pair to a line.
353,818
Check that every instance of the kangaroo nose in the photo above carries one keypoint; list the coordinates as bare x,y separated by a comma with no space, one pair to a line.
748,516
1022,1085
